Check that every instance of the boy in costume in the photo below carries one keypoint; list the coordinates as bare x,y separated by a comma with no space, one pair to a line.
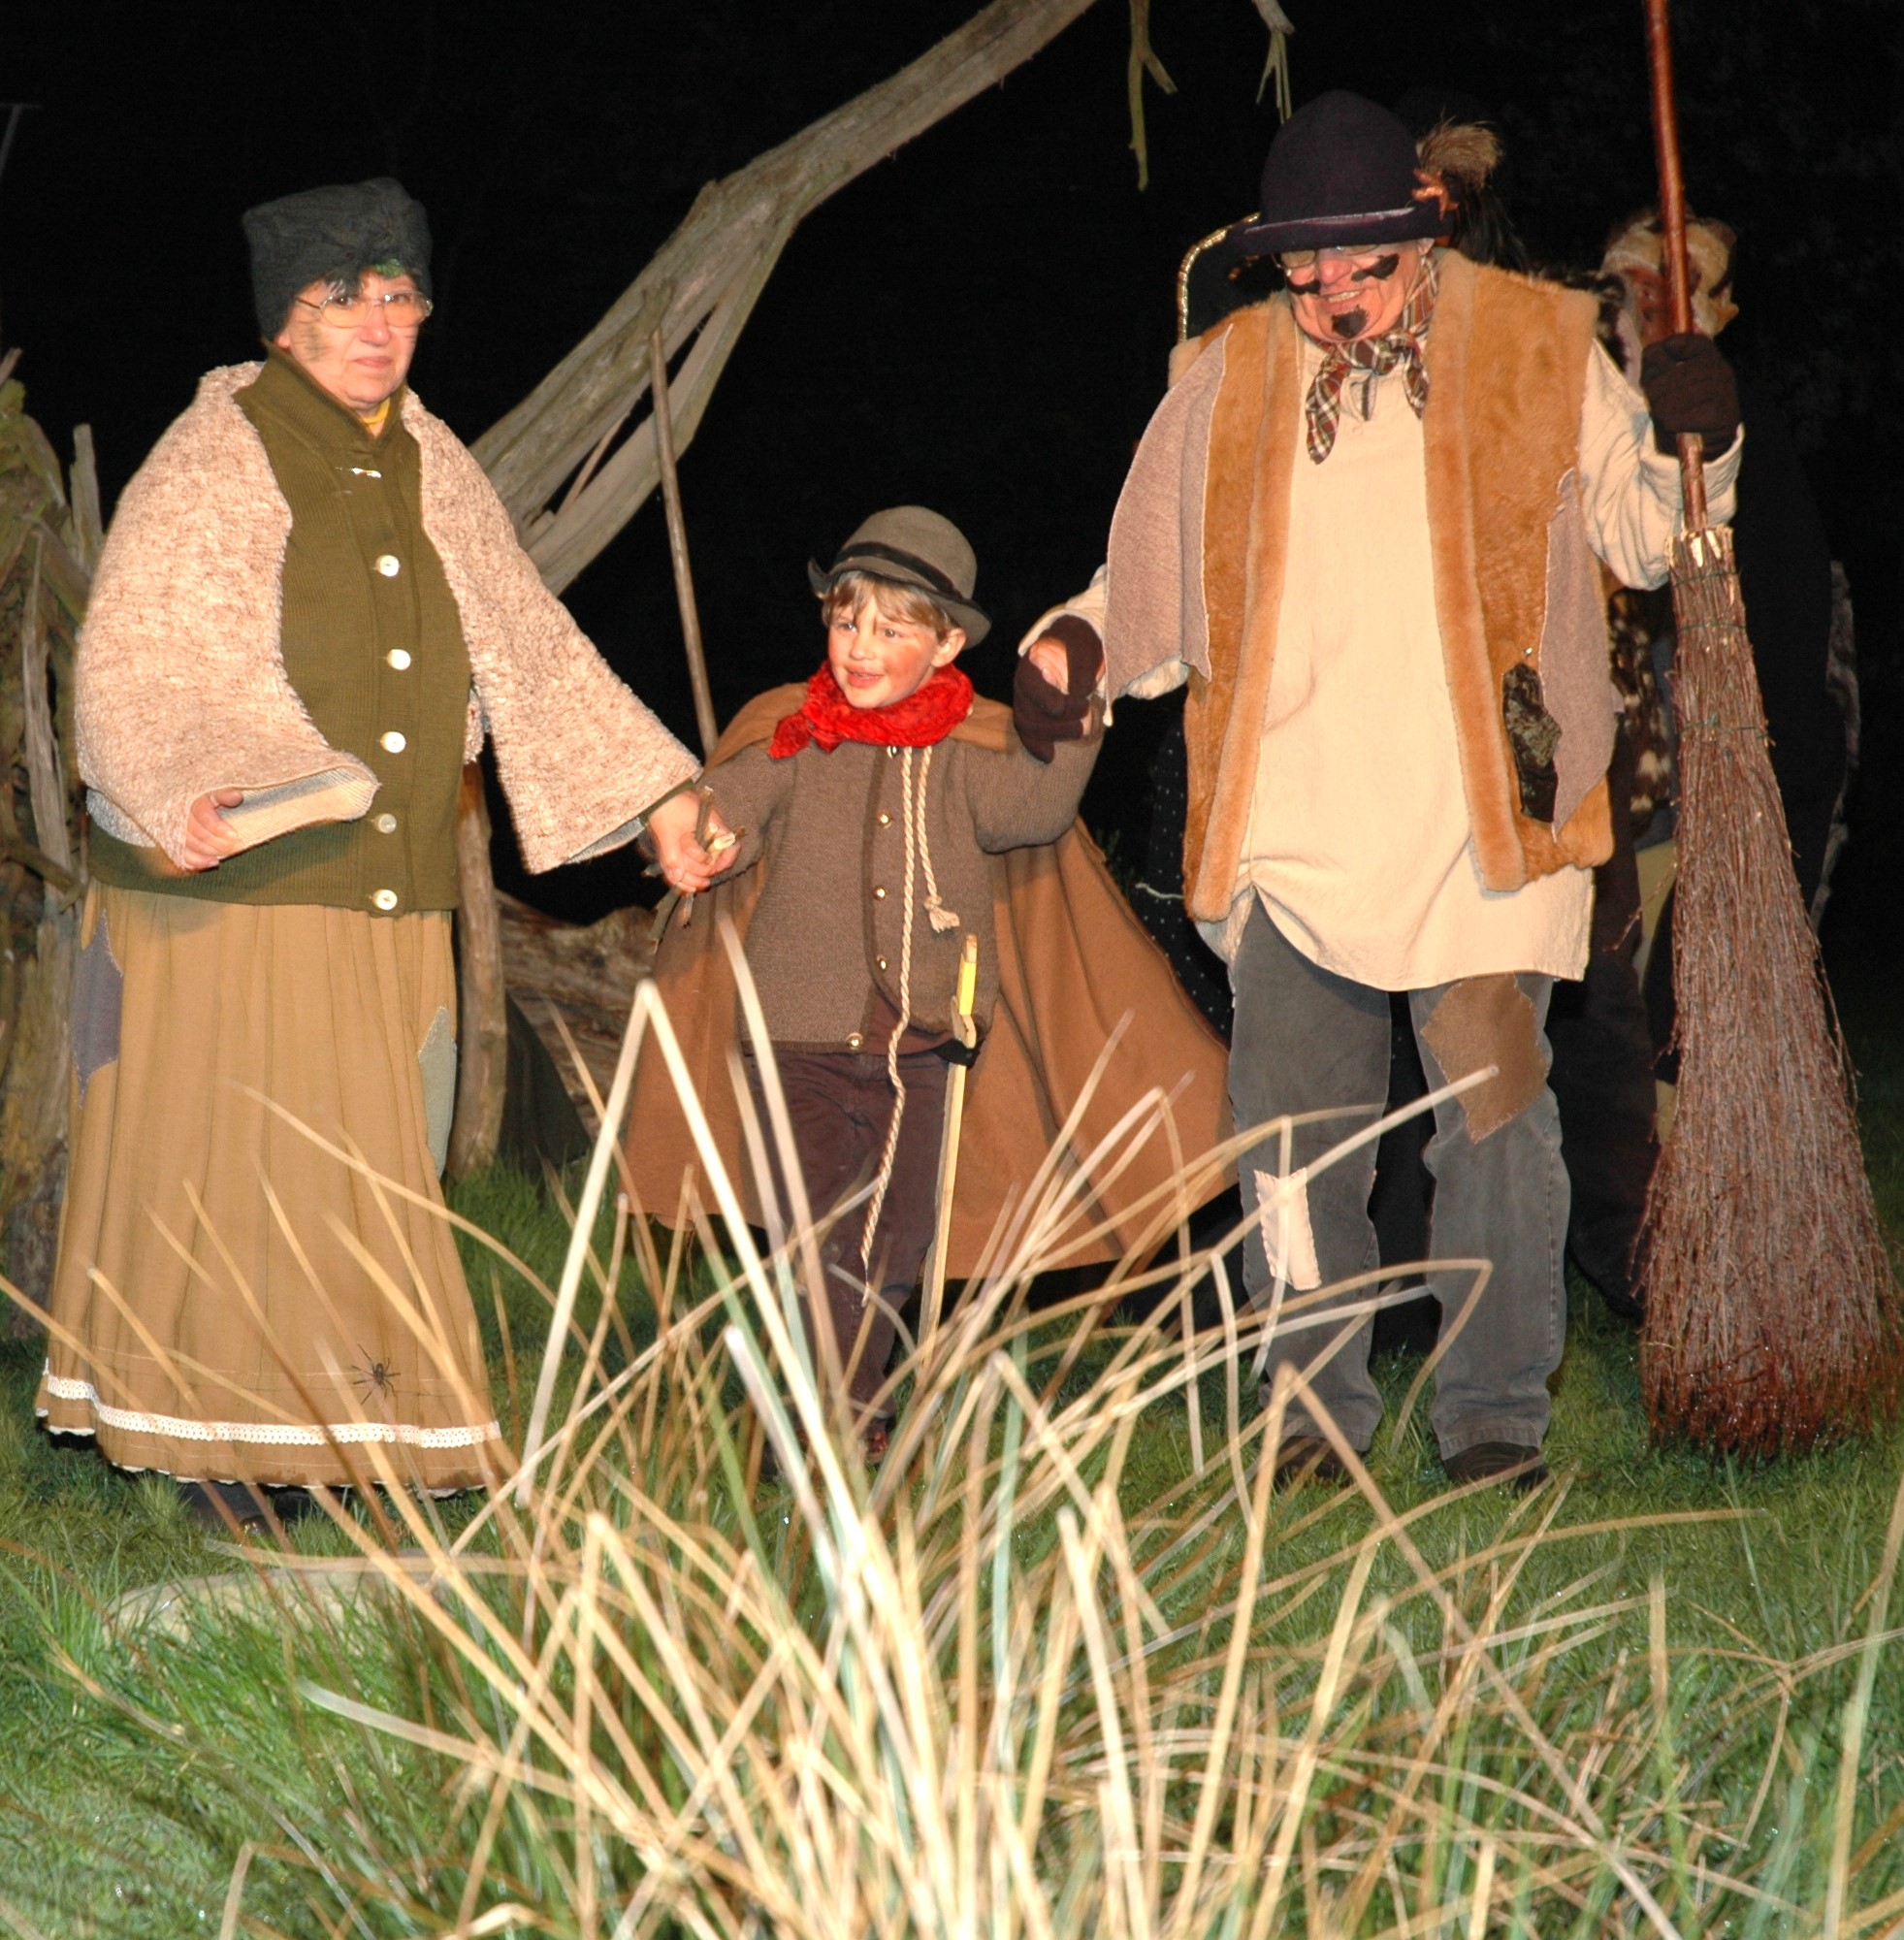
881,813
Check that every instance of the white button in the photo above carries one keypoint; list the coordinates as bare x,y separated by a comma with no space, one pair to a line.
385,899
386,824
881,961
890,753
854,1041
387,564
393,743
879,895
398,658
883,818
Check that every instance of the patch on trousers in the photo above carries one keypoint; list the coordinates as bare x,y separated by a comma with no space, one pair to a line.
98,996
1484,1020
435,1063
1283,1211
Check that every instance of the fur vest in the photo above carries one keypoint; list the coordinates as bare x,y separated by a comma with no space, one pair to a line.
181,685
1200,539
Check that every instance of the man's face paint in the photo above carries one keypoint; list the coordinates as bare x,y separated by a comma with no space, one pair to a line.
1345,294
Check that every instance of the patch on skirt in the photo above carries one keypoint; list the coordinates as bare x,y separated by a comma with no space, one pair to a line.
436,1062
98,996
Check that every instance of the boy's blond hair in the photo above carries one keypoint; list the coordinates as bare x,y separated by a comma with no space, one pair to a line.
851,591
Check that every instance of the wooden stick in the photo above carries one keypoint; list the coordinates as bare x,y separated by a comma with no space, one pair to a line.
482,1073
934,1296
18,849
1672,220
677,545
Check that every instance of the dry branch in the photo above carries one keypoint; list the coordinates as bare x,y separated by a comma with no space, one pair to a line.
482,1071
701,286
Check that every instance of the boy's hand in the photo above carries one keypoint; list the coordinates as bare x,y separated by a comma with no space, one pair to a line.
1051,690
1048,656
685,864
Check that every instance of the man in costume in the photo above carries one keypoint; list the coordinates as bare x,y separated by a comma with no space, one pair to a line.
309,610
1362,526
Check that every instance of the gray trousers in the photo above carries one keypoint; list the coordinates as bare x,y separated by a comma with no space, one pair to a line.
1307,1040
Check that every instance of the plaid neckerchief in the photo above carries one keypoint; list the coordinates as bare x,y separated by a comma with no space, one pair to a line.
1399,351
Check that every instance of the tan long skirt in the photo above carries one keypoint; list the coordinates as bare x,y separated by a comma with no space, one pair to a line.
244,1291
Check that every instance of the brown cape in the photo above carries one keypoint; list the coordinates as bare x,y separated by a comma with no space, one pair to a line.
1072,963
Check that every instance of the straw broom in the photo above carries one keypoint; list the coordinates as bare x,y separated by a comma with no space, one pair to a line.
1772,1317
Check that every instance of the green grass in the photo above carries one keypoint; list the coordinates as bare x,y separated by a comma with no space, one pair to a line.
113,1830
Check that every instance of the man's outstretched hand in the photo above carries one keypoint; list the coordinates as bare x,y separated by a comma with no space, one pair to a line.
1053,688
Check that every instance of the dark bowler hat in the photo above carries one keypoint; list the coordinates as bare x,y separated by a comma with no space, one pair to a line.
332,235
1342,171
914,548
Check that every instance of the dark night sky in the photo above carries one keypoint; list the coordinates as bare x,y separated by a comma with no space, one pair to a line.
981,323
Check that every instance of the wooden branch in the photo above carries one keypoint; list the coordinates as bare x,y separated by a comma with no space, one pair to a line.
677,546
1672,220
706,278
482,1072
88,526
21,849
45,786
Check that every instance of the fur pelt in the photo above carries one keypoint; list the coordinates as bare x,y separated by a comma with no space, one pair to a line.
1506,362
182,687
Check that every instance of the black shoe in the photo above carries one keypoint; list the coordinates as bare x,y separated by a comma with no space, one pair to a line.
1508,1463
218,1504
1310,1458
1625,1297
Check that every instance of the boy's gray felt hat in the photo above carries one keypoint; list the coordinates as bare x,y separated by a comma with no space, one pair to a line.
915,548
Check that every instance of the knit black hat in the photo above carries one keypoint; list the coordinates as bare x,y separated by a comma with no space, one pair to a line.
332,235
1342,171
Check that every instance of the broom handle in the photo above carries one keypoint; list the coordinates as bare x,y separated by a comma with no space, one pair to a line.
1672,219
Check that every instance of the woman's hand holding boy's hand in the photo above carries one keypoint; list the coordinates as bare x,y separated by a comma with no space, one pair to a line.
685,864
1053,688
209,837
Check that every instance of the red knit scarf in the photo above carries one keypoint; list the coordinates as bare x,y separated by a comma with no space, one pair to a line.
928,714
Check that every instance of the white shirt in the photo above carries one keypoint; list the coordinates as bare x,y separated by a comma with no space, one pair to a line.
1359,846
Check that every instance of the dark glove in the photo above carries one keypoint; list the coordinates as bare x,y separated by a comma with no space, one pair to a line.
1690,387
1045,716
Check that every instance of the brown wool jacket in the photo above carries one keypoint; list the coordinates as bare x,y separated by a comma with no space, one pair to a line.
1201,533
828,832
1071,969
182,688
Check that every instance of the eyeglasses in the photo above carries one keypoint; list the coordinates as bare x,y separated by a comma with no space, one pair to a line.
1306,259
348,310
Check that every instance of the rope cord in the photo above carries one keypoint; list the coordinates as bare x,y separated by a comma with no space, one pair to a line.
941,918
915,828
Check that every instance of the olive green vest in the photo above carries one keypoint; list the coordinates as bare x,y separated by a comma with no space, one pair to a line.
373,645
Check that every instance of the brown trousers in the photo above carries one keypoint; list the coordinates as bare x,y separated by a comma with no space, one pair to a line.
840,1104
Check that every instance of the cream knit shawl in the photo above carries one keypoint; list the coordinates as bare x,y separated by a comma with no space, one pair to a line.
182,687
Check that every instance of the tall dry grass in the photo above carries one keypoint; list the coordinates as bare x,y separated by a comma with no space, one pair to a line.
998,1687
